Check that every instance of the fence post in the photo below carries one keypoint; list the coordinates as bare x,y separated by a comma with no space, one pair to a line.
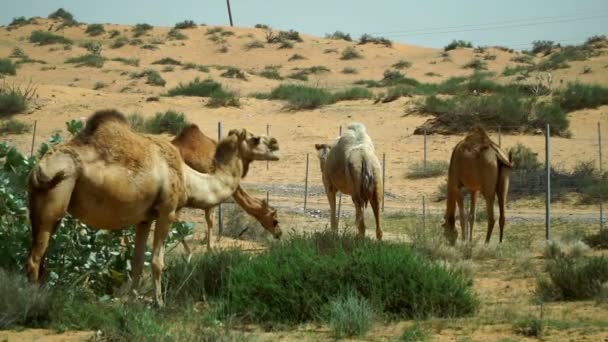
34,138
339,195
424,153
548,189
599,144
499,136
306,183
383,177
268,135
220,216
267,198
423,213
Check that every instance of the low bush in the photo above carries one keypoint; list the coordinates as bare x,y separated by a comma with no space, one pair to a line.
234,72
350,315
20,21
598,240
154,78
395,92
15,99
574,278
579,96
119,42
223,98
353,93
95,29
89,60
290,35
171,122
255,44
7,67
414,333
48,38
21,303
369,39
300,97
61,14
457,44
186,24
13,126
262,26
339,35
350,53
127,61
167,61
175,34
529,326
349,70
296,57
433,168
476,64
271,73
196,88
141,28
543,46
402,64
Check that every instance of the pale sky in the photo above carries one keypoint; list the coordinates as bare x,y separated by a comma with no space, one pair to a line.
433,23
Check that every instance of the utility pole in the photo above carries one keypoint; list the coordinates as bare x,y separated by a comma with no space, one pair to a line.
229,12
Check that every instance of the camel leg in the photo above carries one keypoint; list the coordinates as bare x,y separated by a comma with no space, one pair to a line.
375,203
142,231
449,225
463,223
490,211
472,211
331,198
359,220
209,219
163,223
503,189
46,210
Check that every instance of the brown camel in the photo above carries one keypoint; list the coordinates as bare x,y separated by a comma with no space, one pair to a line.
198,150
110,177
350,166
477,164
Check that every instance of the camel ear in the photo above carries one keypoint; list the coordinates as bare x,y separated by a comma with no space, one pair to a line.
318,146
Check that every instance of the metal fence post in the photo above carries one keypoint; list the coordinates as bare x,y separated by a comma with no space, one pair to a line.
423,213
548,189
599,144
383,177
220,216
306,183
424,153
33,138
339,194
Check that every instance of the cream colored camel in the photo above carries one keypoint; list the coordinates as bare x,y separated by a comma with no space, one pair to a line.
198,151
350,166
110,177
477,164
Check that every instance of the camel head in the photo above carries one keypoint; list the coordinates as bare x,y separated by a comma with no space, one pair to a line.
256,147
322,153
449,230
270,221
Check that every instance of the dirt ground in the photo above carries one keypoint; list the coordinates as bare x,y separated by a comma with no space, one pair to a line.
65,92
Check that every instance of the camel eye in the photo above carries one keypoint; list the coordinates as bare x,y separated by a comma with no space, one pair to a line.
256,140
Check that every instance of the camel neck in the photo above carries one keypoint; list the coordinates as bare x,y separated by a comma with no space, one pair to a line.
208,190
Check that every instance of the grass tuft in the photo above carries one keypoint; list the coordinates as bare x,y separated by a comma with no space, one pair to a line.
48,38
13,126
433,168
21,303
7,67
95,30
89,60
350,53
350,316
171,122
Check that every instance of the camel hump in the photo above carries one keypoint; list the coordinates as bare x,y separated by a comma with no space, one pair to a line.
101,117
190,133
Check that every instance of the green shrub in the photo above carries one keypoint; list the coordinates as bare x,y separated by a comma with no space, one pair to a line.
396,92
295,57
402,64
255,44
510,71
598,240
595,39
61,14
350,315
433,168
141,29
127,61
543,46
234,72
367,39
349,70
414,333
223,98
293,281
154,78
290,35
529,326
14,99
271,73
262,26
175,34
476,64
95,29
525,59
572,278
301,97
136,122
523,158
167,61
13,126
89,60
48,38
119,42
578,96
196,88
457,44
354,93
350,53
186,24
7,67
285,44
92,47
21,303
99,85
339,35
20,21
171,122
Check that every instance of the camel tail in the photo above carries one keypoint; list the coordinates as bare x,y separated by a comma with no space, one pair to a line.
367,182
40,178
54,167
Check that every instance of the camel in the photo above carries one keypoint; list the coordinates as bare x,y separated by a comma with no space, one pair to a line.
198,150
477,164
110,177
350,166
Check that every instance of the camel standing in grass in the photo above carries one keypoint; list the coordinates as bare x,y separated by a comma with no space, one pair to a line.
477,164
350,166
198,151
110,177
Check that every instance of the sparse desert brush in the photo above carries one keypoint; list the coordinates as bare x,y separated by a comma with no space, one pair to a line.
20,21
414,333
573,278
330,50
300,97
285,44
432,74
395,92
476,64
175,34
136,122
402,64
171,121
92,47
339,35
510,71
255,44
189,66
350,315
167,61
196,88
457,44
369,39
353,93
214,30
186,24
579,95
289,35
350,53
234,72
271,72
15,99
598,240
21,303
529,326
13,126
349,70
543,46
295,57
127,61
168,68
262,26
119,42
223,98
89,60
154,78
433,168
526,59
223,49
99,85
95,29
48,38
489,57
61,14
114,34
7,67
141,28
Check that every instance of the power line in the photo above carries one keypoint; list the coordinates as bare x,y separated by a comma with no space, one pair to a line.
488,24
